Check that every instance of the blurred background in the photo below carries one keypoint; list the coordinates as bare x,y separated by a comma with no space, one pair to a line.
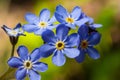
105,12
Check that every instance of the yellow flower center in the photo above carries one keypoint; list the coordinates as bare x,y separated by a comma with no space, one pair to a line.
84,44
28,64
42,24
60,45
69,20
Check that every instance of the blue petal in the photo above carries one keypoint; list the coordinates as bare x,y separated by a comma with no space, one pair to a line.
94,38
6,29
35,55
90,20
93,53
80,22
52,20
18,26
96,25
58,58
15,62
62,31
62,11
59,18
71,52
44,15
30,27
32,18
39,66
51,27
21,73
71,25
46,50
83,32
81,56
34,75
76,13
39,31
48,36
22,52
72,40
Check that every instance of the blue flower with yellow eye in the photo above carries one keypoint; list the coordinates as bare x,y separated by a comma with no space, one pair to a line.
60,45
27,64
39,24
87,43
72,19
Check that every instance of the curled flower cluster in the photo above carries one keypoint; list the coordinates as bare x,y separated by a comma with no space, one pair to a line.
59,44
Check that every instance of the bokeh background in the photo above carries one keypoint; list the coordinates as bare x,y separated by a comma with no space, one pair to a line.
105,12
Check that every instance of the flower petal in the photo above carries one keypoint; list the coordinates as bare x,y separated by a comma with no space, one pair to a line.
72,40
39,66
59,18
70,25
39,31
6,29
71,52
81,56
15,62
94,38
93,53
52,20
58,58
44,15
18,26
62,31
46,50
96,25
76,12
34,75
80,22
22,52
35,55
48,36
32,18
21,73
83,32
30,27
62,11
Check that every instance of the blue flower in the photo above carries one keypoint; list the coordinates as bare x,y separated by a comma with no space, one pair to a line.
27,64
39,24
70,19
15,32
60,45
87,43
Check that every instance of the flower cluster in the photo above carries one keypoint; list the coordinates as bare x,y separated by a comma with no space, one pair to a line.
59,44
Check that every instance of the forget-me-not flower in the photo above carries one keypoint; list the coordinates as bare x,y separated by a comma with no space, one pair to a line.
14,33
87,43
27,64
60,45
39,24
70,19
